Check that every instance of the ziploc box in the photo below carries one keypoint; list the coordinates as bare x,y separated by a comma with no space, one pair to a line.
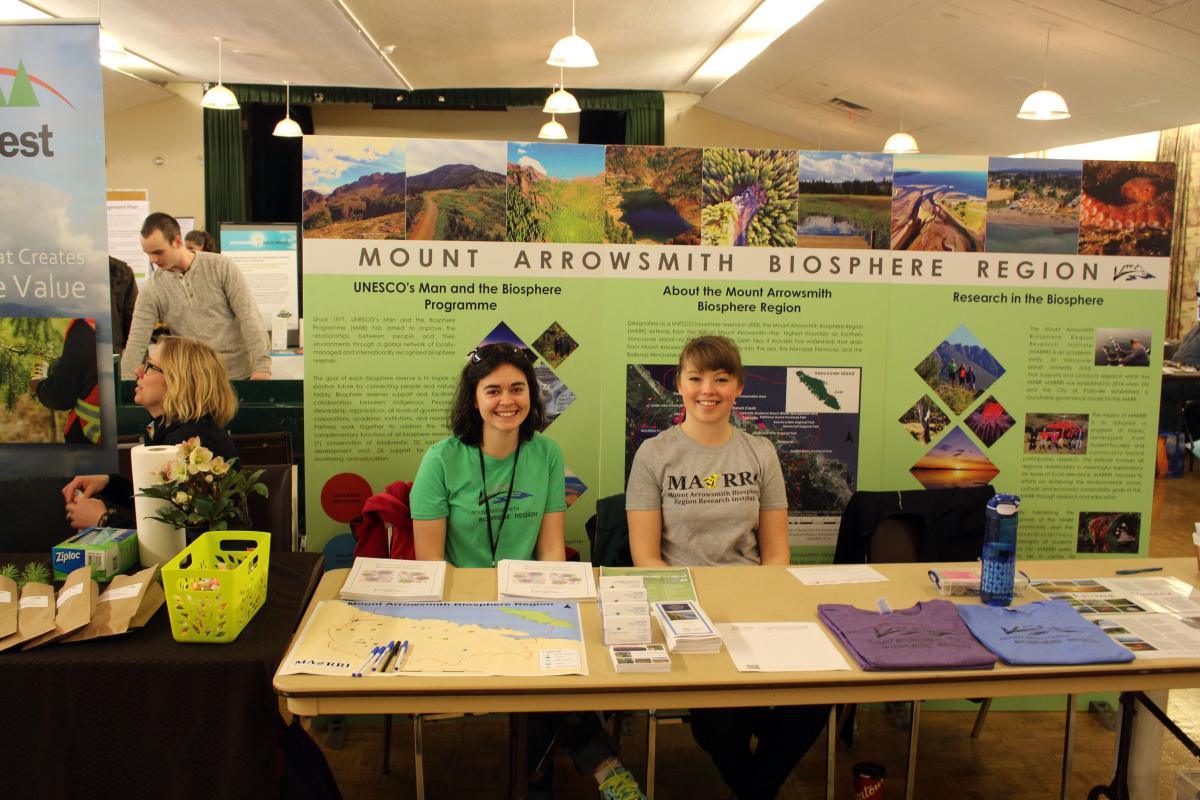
108,551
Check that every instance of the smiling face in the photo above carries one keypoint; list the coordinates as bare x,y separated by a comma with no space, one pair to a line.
502,397
708,395
151,385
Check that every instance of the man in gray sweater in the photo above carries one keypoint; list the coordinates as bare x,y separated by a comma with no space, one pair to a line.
202,295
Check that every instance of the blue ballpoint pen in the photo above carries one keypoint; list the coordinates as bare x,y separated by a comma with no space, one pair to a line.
401,652
1138,571
388,655
376,652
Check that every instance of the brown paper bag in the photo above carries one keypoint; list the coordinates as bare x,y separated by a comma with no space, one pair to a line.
9,600
116,606
75,605
152,601
35,614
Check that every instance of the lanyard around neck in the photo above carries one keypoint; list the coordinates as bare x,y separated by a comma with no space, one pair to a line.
494,541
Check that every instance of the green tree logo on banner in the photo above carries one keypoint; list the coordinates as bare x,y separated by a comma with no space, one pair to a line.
21,94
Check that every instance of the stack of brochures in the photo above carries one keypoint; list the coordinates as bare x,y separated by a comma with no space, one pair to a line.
394,579
624,612
686,627
640,658
545,580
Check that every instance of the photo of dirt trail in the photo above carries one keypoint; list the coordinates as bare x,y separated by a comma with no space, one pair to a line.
455,190
1033,205
27,343
652,194
1127,208
555,193
750,197
939,203
845,200
353,188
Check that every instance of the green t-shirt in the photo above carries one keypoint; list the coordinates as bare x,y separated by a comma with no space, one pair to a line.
448,485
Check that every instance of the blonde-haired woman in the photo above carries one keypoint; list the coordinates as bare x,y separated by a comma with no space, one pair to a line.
184,386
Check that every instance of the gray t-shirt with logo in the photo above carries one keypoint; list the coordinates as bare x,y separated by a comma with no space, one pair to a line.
710,497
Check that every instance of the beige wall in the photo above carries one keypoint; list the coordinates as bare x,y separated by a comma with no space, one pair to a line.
688,125
171,129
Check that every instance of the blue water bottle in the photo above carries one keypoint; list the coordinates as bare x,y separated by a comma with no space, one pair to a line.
999,550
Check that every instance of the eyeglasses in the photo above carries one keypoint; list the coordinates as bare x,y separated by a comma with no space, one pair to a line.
489,351
147,366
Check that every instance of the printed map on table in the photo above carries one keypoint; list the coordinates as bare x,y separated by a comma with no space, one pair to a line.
470,639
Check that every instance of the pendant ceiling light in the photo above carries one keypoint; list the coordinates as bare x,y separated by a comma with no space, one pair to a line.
552,130
901,142
572,51
1045,105
218,97
560,100
287,127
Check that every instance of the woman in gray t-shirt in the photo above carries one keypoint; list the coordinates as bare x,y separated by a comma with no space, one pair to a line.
706,493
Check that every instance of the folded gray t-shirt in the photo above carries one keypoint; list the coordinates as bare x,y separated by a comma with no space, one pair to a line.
710,497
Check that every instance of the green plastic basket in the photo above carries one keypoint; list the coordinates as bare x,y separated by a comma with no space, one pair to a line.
216,585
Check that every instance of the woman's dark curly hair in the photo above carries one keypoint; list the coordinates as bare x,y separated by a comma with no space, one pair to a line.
465,421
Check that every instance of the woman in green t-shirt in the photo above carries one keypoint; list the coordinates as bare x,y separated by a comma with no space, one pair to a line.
495,490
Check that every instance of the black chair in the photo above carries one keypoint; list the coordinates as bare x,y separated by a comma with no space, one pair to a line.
264,448
275,513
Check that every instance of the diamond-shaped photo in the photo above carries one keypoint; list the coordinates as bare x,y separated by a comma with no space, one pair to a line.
556,395
575,487
990,421
954,461
960,369
502,334
925,420
555,344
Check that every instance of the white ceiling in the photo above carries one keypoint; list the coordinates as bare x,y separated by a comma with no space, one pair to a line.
958,68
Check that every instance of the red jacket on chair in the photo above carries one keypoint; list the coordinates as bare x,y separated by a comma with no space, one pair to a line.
387,509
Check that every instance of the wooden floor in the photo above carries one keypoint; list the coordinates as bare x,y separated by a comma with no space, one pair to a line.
1016,758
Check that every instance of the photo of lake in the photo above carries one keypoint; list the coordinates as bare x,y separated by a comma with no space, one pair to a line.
845,200
954,461
652,194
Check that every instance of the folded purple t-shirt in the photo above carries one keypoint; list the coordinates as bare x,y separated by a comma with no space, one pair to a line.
929,635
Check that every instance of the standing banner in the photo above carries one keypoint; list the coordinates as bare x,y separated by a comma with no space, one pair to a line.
57,414
906,322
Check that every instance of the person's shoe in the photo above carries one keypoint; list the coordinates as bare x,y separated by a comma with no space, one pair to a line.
621,785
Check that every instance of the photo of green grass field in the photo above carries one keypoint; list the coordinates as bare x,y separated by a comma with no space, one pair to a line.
845,200
555,193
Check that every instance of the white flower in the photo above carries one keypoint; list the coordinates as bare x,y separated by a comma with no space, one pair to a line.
219,466
180,499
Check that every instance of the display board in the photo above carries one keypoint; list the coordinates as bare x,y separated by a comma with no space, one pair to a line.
266,254
55,318
906,322
126,210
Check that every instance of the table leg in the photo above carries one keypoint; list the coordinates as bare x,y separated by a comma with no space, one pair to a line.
518,731
1068,747
651,744
830,748
914,730
419,755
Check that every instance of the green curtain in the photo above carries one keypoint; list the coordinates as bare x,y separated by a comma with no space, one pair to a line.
224,158
1182,145
224,168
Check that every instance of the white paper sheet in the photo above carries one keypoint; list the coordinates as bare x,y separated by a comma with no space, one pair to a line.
780,647
839,573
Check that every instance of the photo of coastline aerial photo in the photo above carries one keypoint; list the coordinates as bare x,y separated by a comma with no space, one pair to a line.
954,461
1033,205
353,187
455,190
555,192
845,200
750,197
652,194
1127,208
939,203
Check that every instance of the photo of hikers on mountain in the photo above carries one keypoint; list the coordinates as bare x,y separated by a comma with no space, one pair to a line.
960,369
